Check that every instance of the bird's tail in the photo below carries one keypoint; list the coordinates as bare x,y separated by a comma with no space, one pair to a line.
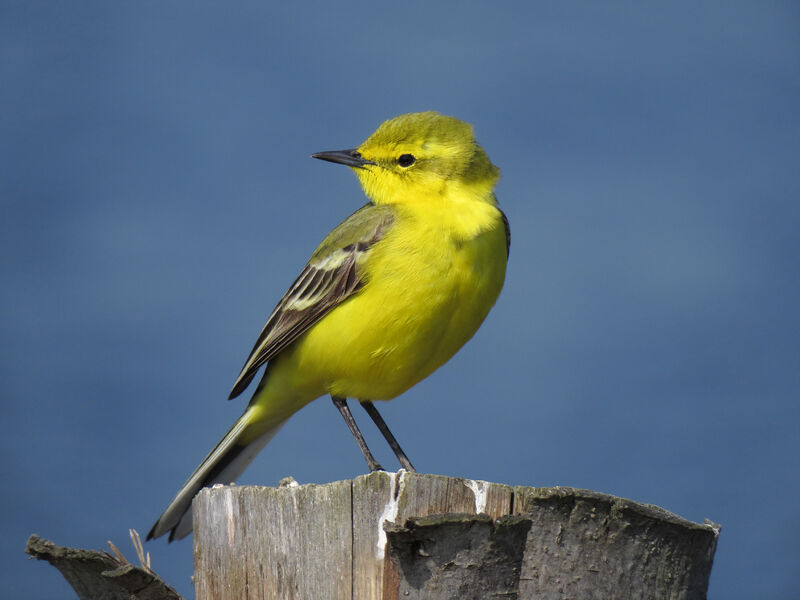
229,458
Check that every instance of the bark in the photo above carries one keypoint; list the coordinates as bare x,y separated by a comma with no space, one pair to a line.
98,575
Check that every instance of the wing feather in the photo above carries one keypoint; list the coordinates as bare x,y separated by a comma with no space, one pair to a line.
331,276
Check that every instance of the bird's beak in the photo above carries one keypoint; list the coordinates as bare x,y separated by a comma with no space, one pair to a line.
351,158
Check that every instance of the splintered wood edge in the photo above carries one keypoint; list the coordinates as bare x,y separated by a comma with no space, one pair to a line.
94,574
525,498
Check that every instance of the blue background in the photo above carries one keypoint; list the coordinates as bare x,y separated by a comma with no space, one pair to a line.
158,198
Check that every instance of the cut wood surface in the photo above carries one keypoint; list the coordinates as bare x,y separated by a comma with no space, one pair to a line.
391,536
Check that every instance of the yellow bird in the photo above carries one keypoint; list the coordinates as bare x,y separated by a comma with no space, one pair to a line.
386,299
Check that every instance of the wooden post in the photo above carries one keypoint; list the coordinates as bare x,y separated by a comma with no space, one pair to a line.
406,536
97,575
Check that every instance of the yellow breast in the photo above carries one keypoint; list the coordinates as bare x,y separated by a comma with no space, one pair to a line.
430,283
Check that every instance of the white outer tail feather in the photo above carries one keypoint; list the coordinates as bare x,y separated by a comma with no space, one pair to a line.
178,515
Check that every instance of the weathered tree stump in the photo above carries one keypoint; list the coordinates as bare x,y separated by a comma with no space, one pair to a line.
96,575
392,536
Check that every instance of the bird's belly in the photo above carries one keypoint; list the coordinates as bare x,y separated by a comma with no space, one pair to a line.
410,318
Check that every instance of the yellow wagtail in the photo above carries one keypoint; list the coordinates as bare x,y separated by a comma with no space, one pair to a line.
386,299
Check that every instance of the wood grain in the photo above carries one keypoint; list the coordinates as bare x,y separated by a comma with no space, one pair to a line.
387,536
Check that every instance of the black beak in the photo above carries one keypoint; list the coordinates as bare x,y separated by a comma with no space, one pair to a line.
351,158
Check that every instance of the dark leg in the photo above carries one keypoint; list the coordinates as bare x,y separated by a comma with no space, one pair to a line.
344,410
398,451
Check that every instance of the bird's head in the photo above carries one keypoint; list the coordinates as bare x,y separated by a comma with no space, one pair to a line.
419,155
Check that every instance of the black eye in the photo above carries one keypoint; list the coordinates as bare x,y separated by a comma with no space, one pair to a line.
406,160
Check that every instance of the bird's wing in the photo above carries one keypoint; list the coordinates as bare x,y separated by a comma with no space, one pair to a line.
331,276
507,227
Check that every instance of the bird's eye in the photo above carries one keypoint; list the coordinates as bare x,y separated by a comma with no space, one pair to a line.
406,160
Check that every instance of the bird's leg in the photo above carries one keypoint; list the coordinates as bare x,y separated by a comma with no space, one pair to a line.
398,451
344,410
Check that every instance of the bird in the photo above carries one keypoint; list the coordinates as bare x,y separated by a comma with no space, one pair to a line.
389,296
